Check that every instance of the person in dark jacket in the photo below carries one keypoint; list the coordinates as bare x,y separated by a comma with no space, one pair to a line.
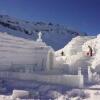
90,50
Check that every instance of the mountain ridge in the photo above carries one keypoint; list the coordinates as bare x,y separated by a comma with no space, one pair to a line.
55,35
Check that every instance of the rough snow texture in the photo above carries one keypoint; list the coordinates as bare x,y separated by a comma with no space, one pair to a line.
96,59
15,50
16,53
75,53
54,35
61,79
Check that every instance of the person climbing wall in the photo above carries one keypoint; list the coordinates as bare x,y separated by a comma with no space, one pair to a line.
62,53
90,50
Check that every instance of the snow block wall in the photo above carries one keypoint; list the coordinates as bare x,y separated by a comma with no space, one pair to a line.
69,80
16,53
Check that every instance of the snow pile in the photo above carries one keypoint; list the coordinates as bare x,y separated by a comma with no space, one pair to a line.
74,46
70,51
16,95
91,43
95,45
74,53
96,62
20,94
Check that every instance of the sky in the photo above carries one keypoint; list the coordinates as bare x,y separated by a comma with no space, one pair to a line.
80,15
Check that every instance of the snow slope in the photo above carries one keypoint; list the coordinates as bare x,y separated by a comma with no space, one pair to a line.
75,45
75,53
54,35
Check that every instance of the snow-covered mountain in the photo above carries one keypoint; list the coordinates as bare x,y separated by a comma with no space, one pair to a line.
54,35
